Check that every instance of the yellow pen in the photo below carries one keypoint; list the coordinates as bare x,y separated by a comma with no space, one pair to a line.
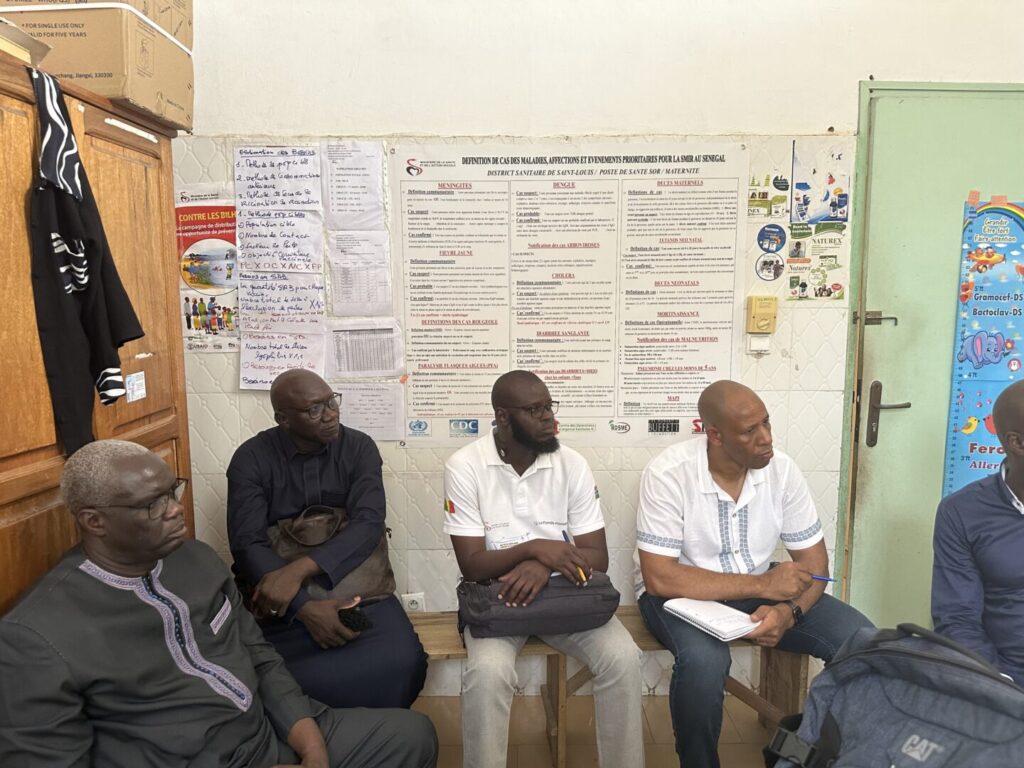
579,570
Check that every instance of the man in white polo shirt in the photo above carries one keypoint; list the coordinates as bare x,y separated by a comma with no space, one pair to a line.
511,498
712,511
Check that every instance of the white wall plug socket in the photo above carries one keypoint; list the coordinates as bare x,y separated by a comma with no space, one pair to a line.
414,602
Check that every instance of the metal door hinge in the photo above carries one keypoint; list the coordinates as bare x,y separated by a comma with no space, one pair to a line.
875,317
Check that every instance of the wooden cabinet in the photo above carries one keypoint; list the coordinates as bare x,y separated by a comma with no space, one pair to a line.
128,162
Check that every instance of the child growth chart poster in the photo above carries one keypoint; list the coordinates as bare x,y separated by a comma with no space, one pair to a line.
986,349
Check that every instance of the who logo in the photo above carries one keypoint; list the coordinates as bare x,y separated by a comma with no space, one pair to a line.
419,427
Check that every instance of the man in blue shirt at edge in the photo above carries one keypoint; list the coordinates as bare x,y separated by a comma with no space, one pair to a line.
978,569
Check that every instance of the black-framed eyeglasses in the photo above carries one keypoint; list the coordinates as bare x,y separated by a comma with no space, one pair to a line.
157,508
316,410
537,411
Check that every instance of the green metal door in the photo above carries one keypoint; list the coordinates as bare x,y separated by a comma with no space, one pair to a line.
922,148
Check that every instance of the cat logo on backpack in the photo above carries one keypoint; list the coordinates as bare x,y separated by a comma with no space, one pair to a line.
920,748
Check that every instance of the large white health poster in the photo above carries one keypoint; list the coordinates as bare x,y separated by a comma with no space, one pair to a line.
609,270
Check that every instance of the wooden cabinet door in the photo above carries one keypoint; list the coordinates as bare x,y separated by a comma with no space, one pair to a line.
131,178
34,527
130,172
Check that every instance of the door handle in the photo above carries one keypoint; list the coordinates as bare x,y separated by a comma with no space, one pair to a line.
875,407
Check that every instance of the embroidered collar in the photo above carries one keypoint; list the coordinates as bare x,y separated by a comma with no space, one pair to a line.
128,583
708,485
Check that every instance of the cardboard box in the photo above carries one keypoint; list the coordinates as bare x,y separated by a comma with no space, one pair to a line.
116,53
174,16
20,44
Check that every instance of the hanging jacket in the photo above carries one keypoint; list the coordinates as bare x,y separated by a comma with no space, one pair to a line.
82,310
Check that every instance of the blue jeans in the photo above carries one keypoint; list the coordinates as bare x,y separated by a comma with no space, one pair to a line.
697,690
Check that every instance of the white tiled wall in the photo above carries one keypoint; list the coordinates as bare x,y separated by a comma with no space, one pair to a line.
801,382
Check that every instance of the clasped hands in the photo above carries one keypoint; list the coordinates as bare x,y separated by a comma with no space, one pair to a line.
786,581
526,580
278,588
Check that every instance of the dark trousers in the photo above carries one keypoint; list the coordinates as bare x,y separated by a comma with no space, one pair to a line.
373,738
384,667
697,690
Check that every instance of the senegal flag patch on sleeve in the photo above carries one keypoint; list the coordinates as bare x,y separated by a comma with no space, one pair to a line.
449,506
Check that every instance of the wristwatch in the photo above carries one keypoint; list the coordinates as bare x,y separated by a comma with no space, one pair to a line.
798,612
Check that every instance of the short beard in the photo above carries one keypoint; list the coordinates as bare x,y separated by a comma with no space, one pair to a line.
537,446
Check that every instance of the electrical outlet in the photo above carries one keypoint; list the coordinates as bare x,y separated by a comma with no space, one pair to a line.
414,602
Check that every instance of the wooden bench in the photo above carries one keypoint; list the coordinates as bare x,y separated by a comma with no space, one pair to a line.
781,691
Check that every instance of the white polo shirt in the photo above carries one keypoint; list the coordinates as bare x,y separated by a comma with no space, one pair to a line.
684,514
486,497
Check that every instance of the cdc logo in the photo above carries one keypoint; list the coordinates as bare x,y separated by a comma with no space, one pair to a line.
463,427
419,427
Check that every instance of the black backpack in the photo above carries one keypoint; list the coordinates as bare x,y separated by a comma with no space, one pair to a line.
904,698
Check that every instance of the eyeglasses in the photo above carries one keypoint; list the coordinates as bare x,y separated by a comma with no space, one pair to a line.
316,410
157,508
536,411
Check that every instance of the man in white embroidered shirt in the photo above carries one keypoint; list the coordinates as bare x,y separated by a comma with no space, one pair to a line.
135,650
712,511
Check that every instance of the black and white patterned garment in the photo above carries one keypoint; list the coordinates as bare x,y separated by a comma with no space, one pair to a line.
82,310
60,165
59,162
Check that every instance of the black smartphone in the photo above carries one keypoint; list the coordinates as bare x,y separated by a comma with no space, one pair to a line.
354,619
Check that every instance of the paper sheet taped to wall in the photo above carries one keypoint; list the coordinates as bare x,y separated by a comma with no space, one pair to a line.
281,302
266,355
278,177
364,347
360,273
281,241
375,408
353,183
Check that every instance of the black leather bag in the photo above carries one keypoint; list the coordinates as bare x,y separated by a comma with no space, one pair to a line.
560,608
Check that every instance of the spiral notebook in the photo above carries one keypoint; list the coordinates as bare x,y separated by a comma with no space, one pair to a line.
713,617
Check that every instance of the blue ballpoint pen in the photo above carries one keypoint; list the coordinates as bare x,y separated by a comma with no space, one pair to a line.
583,577
821,578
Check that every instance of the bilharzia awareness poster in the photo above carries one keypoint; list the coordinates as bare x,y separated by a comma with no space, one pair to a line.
986,349
207,264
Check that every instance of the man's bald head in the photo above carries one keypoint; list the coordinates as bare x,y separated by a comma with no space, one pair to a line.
1008,414
720,399
306,408
506,390
737,425
289,382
